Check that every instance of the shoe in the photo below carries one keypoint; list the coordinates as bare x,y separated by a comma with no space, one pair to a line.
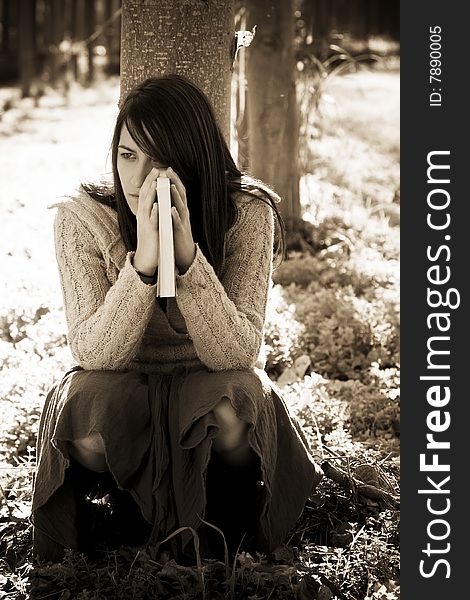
107,517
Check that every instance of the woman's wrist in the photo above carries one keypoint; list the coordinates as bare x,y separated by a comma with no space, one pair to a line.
147,279
147,275
143,267
182,268
145,272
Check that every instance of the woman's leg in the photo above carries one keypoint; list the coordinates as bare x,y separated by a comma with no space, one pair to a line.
89,452
231,443
231,484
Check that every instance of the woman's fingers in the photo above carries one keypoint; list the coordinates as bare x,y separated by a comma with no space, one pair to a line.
175,180
144,188
177,224
154,215
178,202
147,193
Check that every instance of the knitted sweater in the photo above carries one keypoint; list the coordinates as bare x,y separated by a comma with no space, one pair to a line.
114,321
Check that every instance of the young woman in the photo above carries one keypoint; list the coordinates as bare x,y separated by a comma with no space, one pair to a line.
169,402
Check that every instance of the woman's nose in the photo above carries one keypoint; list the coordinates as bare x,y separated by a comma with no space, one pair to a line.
139,174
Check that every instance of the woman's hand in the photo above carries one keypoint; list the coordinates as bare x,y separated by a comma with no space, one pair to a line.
146,254
185,248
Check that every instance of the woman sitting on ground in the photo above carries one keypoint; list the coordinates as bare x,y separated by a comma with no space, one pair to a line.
169,402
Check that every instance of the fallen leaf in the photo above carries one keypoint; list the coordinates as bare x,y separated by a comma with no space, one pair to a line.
287,376
284,554
301,365
368,474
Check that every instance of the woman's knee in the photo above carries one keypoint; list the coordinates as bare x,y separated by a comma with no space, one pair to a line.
93,443
232,430
89,452
227,418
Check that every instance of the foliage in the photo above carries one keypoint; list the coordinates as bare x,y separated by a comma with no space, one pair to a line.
344,335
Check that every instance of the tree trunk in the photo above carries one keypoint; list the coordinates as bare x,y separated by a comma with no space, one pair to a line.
272,103
190,37
6,24
108,34
90,21
320,11
55,37
74,32
239,137
112,36
27,47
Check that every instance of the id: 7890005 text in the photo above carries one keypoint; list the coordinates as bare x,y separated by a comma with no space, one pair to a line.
435,65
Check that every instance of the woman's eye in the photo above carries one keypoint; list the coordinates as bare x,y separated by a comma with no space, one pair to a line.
127,155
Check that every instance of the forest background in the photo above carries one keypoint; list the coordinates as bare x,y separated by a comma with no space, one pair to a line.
333,321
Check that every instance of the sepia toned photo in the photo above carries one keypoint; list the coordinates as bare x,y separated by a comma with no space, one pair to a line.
200,311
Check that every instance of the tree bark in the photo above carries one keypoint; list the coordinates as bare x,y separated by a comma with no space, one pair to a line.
108,34
75,34
55,22
240,139
273,119
27,46
6,24
90,22
189,37
112,36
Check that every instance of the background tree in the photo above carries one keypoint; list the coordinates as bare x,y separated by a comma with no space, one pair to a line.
54,30
90,24
27,49
192,38
112,35
273,122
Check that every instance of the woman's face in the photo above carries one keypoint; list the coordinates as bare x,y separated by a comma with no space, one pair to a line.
133,166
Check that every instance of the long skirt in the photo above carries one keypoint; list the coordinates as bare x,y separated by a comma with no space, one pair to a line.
158,432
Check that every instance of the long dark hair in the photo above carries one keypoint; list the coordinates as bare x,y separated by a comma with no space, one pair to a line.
172,121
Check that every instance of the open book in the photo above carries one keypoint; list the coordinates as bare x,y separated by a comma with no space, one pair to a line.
166,286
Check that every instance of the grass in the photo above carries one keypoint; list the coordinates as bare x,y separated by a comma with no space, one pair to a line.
332,336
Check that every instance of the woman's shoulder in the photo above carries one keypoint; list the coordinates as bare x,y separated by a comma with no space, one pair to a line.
85,211
254,208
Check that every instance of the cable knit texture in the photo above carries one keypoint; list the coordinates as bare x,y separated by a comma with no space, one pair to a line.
114,321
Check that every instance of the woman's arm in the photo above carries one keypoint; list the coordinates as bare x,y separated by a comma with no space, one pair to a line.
105,322
225,318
